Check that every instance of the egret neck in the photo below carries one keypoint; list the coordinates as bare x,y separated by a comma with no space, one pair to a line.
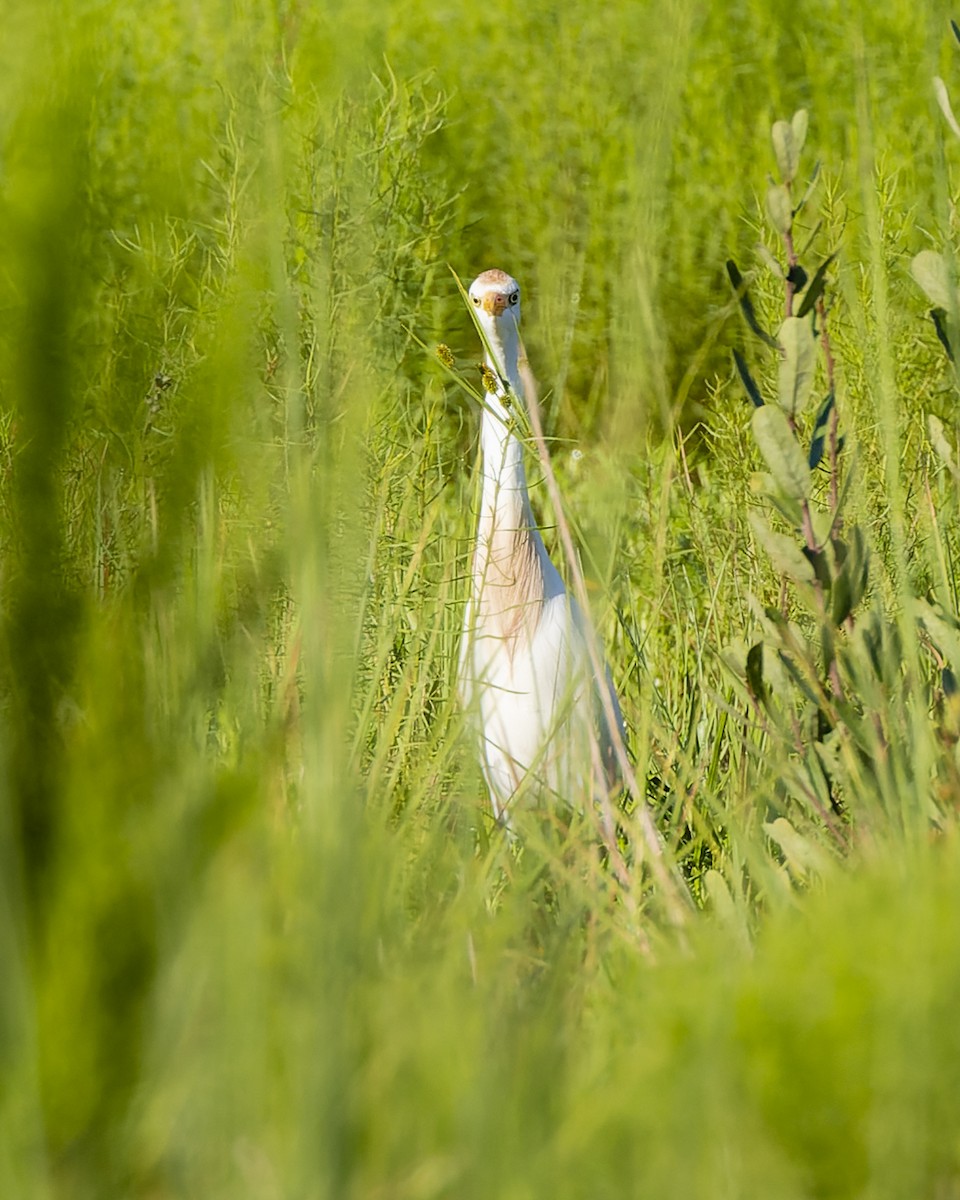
511,562
504,479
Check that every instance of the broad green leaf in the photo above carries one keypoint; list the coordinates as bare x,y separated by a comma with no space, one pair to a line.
778,206
841,601
823,522
775,629
798,276
801,854
798,365
749,384
942,630
838,551
938,439
942,326
778,678
819,438
932,273
800,678
845,487
784,148
823,416
771,262
858,562
827,642
719,896
851,579
781,451
789,507
734,658
828,750
798,126
763,484
820,561
817,284
743,297
943,99
787,557
754,671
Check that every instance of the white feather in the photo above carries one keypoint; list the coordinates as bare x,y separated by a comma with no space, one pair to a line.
524,667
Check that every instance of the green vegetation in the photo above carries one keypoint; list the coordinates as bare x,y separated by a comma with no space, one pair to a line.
258,934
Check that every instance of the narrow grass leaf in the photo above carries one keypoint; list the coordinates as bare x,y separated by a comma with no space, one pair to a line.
807,193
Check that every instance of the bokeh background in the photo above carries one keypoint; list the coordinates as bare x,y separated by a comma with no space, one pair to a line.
258,936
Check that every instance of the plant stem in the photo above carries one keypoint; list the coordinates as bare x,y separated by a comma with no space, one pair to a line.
834,416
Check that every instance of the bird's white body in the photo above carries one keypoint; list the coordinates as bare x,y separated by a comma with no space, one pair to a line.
524,665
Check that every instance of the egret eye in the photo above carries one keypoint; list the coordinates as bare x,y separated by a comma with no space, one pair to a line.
476,300
515,298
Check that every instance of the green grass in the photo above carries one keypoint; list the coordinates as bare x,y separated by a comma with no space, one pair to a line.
258,934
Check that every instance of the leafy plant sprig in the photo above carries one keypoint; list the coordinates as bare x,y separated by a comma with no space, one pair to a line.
833,569
935,273
797,673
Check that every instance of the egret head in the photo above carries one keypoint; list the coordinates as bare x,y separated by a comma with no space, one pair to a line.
495,296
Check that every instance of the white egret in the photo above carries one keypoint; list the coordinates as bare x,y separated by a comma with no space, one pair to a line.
525,663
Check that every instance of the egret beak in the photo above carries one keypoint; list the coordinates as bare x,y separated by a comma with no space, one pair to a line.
494,303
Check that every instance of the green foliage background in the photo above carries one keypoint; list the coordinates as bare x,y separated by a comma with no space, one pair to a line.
257,934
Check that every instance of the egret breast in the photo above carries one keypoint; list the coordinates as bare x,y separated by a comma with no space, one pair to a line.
535,705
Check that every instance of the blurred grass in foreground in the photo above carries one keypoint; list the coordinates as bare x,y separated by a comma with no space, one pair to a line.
257,935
